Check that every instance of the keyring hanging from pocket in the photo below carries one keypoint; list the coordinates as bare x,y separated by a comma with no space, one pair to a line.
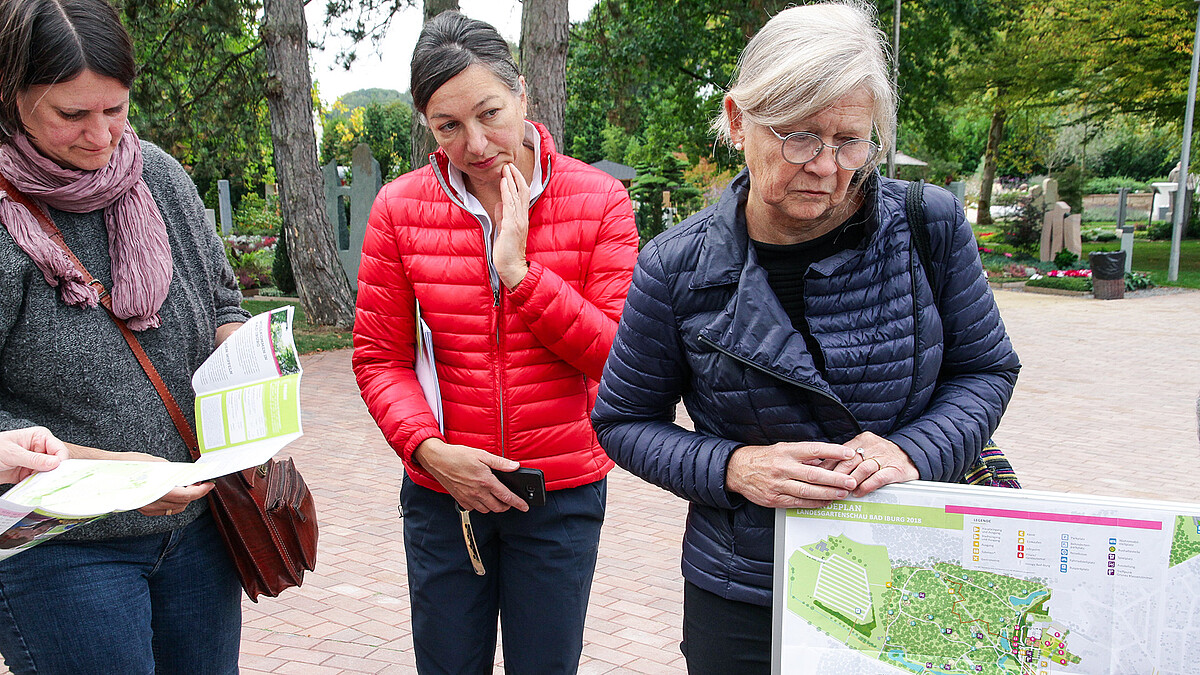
469,539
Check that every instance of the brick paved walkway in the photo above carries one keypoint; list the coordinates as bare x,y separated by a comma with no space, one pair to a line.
1105,405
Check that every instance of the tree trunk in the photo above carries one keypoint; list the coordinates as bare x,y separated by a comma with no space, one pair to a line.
544,35
995,135
420,139
320,280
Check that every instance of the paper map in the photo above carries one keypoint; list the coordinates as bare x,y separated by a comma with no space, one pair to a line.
929,578
247,409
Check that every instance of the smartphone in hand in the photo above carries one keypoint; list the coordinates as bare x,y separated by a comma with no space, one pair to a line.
528,484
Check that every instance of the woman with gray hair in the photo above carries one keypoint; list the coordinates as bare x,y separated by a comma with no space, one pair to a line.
795,318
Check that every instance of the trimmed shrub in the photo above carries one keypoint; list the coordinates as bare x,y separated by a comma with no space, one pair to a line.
1082,284
256,215
281,267
1111,184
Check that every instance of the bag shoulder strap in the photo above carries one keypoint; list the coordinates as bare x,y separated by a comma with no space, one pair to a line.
52,231
914,207
991,467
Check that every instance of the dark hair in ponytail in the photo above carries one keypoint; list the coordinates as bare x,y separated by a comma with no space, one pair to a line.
450,43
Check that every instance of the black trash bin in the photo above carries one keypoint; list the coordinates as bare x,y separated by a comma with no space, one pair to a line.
1108,274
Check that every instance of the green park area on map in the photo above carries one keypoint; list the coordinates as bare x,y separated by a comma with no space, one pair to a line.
1186,543
936,618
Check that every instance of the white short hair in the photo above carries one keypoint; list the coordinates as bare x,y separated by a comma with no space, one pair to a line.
805,59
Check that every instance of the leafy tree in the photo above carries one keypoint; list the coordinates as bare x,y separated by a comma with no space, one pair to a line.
615,143
658,69
935,36
383,127
1087,59
639,63
1137,150
386,130
1136,53
1018,64
199,91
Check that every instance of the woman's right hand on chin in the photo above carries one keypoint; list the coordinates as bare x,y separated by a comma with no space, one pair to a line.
466,473
789,475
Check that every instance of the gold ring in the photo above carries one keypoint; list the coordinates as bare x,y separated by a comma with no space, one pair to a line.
168,512
859,451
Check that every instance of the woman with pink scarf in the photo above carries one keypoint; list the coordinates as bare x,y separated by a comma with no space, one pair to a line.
142,591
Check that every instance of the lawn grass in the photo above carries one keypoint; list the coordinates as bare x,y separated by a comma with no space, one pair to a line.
308,338
1153,257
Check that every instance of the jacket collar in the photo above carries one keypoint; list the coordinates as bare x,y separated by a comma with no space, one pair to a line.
726,242
753,325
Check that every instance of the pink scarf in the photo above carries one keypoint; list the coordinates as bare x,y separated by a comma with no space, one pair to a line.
137,236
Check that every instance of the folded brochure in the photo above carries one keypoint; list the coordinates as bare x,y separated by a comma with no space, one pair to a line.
247,409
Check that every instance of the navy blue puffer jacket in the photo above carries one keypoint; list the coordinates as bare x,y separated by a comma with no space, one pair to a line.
702,324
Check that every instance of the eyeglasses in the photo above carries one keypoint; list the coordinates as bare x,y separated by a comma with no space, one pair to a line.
803,147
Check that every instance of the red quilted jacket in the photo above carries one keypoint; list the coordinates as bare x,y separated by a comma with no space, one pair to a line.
518,369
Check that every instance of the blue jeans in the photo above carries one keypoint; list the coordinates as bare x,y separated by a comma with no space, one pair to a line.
162,603
539,575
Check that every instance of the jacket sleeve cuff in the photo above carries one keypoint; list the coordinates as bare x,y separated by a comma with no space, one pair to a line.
406,451
524,290
916,453
733,500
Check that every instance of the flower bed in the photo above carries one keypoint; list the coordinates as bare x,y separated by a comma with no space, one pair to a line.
251,256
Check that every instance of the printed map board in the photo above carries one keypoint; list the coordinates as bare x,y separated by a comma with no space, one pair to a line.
938,579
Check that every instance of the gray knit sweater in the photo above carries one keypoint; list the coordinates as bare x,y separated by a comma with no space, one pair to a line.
69,369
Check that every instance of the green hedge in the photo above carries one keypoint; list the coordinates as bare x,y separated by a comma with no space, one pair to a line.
1065,283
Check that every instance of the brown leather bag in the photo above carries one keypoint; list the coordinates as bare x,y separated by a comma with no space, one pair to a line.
267,517
265,513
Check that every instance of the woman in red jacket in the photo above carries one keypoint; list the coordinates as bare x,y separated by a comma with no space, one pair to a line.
520,259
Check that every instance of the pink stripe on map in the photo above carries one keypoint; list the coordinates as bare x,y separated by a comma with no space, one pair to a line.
1057,517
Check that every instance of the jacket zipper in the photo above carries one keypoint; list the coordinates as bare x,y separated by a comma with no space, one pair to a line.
493,281
785,378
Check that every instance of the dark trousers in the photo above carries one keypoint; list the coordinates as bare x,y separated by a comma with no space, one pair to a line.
160,603
539,574
722,636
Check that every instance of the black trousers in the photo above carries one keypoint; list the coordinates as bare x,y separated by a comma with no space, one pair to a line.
723,637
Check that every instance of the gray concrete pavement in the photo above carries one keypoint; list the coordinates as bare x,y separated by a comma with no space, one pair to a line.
1106,401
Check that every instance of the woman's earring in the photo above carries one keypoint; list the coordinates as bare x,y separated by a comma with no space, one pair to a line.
737,146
